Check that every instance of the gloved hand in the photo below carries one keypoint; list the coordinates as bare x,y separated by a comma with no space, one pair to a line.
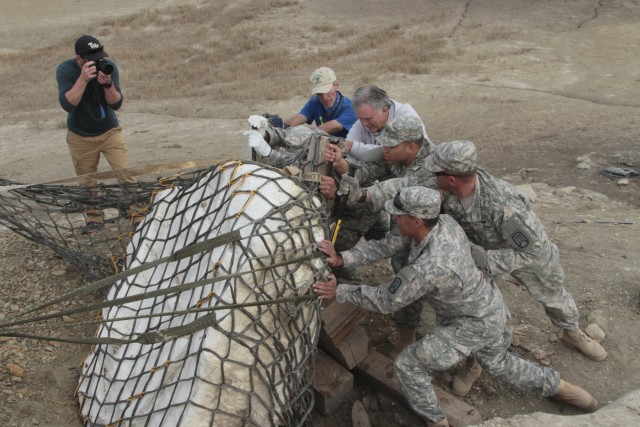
256,141
258,122
479,255
351,187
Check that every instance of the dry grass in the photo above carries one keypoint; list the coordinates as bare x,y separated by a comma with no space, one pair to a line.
225,52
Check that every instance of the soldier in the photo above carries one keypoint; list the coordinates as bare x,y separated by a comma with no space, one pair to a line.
405,148
508,236
470,312
357,222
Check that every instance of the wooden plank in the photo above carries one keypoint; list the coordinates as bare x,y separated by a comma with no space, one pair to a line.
351,350
332,384
339,320
379,370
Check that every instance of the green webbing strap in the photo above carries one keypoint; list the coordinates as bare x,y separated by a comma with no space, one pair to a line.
153,337
160,292
192,249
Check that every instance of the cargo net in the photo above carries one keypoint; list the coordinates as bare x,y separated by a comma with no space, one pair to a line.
212,321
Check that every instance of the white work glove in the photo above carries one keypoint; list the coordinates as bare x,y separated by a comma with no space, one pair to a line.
258,122
256,141
479,255
351,187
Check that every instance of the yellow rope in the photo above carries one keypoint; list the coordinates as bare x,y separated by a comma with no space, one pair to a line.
164,365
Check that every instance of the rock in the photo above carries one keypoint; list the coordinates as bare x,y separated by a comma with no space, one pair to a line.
583,165
592,195
595,332
386,403
622,412
527,192
597,317
622,182
359,416
58,271
566,190
15,370
370,403
585,158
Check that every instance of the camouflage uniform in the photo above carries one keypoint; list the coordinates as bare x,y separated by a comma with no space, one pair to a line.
470,311
357,221
499,220
397,131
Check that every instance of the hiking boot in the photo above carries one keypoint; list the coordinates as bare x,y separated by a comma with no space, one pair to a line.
463,381
406,337
442,423
579,340
92,227
576,396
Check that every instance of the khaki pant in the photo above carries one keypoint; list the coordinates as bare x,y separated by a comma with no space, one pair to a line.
85,152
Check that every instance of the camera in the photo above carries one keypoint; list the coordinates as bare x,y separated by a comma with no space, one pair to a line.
104,66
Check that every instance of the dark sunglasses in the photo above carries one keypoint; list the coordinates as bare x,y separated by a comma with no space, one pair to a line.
399,204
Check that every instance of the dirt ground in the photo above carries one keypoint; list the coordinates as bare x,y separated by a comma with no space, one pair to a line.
549,92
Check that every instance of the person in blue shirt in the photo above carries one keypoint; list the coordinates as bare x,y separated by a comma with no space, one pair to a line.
329,109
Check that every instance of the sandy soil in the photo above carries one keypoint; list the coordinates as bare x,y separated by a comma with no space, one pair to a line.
549,93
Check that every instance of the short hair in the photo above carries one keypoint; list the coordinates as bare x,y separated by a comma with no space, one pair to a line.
372,95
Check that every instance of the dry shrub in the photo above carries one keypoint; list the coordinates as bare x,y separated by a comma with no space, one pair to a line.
229,52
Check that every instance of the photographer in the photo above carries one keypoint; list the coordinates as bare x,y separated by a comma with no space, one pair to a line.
89,91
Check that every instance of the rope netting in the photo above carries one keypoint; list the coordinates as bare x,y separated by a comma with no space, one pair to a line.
210,319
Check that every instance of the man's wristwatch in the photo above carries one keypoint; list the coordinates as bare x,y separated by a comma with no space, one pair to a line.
108,85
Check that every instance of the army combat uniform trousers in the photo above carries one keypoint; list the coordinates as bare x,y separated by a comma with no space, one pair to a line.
447,344
542,276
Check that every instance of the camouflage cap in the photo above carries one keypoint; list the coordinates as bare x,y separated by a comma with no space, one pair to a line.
419,202
454,157
399,130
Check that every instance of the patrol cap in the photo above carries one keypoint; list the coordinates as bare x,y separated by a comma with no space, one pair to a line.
453,158
90,48
322,80
419,202
399,130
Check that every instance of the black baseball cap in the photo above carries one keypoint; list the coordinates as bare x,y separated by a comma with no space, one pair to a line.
90,48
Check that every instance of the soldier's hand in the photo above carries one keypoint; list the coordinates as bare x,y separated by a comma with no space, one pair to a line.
258,122
326,290
333,155
328,187
334,259
256,141
351,187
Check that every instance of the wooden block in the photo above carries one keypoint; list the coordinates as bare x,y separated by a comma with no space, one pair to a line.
378,369
351,350
338,320
332,384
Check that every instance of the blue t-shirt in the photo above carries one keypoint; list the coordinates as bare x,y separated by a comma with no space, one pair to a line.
342,111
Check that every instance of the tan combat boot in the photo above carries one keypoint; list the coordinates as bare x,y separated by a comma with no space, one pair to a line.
442,423
577,339
576,396
463,381
407,336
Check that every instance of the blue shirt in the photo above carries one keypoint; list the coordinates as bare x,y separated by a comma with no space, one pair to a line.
342,111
